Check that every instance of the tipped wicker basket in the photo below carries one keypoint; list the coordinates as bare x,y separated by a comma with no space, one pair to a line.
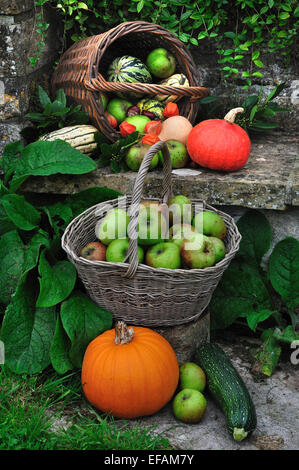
136,293
82,69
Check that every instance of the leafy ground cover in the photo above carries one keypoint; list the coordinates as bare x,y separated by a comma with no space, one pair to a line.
266,300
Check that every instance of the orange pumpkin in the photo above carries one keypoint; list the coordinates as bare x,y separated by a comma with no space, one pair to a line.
219,144
129,371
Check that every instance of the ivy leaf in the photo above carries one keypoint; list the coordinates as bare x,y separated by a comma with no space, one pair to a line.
256,236
82,320
284,273
56,282
27,331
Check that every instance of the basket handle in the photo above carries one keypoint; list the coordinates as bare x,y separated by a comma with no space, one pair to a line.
194,93
132,255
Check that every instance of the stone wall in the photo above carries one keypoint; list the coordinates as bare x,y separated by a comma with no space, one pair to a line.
275,71
18,78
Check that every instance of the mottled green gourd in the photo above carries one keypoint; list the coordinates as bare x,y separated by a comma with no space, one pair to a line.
228,389
128,69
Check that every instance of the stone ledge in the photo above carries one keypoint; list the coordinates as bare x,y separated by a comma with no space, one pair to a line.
269,180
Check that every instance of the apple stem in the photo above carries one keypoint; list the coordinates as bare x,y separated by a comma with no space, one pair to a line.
231,115
123,334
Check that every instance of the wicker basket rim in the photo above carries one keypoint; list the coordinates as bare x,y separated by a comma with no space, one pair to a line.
142,267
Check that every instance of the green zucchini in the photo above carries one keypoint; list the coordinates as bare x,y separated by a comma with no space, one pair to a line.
228,389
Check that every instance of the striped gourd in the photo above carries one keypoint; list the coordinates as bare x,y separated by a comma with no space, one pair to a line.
178,80
154,106
128,69
81,137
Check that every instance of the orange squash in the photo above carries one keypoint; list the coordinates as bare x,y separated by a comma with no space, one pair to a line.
129,372
219,144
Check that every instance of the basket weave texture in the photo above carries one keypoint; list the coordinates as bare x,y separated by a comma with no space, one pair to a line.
82,69
136,293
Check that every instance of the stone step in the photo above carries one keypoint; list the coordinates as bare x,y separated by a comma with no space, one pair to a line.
269,180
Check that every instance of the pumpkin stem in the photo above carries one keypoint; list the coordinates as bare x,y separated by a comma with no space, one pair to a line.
123,334
231,115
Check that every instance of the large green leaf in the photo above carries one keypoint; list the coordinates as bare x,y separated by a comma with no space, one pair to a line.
284,273
256,236
59,351
10,158
43,158
240,292
17,259
27,331
254,318
20,212
59,215
81,201
56,282
83,321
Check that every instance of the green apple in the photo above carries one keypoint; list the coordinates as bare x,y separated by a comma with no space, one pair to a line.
189,406
139,122
197,252
210,223
151,226
117,251
118,108
178,154
180,210
94,251
114,225
135,155
161,63
179,232
219,248
163,255
192,376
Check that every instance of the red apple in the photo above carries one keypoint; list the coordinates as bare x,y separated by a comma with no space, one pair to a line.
94,251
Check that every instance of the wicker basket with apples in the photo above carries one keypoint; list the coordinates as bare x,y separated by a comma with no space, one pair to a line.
152,262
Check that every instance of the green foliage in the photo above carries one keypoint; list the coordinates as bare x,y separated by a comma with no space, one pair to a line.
246,290
47,320
243,32
114,154
56,114
258,113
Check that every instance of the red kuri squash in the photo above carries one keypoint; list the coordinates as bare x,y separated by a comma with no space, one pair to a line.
219,144
129,371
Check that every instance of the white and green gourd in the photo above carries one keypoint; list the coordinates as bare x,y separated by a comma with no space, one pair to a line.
80,137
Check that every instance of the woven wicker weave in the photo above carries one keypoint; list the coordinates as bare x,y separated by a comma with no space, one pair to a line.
140,294
82,69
